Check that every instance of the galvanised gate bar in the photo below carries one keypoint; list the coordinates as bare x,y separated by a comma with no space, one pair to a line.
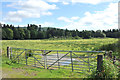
77,61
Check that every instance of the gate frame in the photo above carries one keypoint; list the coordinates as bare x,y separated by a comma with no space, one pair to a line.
99,57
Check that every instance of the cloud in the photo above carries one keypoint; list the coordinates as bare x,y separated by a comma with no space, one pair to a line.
53,0
93,2
46,13
29,9
33,4
47,24
65,3
75,18
8,0
14,19
106,19
2,22
65,19
17,16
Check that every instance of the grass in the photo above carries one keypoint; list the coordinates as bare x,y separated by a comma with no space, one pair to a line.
32,72
22,71
81,44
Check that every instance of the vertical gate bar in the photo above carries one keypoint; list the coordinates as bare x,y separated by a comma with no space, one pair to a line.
44,60
18,60
58,58
88,63
18,56
26,58
71,60
34,62
11,53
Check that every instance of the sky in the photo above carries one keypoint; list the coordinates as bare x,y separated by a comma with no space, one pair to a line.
70,14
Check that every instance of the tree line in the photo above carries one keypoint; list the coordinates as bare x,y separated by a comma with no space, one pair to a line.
33,31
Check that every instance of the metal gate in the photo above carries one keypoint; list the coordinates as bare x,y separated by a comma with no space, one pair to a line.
77,61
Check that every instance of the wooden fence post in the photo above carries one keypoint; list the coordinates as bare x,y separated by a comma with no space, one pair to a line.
99,62
8,52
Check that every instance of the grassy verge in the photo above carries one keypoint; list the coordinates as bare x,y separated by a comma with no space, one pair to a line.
13,70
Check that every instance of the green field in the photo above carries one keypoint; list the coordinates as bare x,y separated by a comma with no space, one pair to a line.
78,45
81,44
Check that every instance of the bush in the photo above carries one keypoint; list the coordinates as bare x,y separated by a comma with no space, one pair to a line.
108,71
108,47
114,47
119,75
77,37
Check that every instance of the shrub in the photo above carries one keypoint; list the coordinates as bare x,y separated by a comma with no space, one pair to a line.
119,75
77,37
114,47
108,71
